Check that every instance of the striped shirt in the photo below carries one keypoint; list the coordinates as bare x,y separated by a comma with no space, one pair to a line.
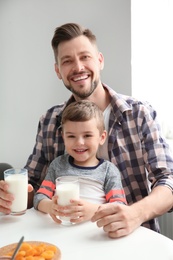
98,184
135,146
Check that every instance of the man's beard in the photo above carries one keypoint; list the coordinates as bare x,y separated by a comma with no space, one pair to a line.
85,94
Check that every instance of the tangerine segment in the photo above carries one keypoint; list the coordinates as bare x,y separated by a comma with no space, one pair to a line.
51,248
21,253
48,254
29,251
25,246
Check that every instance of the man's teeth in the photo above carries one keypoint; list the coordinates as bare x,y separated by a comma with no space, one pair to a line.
80,78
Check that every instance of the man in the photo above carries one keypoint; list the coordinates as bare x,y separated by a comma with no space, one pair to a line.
134,142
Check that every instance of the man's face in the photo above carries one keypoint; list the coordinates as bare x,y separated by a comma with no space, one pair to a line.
78,65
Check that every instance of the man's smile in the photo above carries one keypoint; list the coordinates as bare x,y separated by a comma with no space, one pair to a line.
78,78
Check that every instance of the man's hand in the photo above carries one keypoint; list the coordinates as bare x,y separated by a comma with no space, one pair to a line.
30,196
6,198
117,220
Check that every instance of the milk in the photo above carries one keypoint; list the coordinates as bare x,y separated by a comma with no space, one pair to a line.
66,192
67,188
18,186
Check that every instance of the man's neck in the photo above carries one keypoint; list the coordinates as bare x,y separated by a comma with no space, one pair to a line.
100,97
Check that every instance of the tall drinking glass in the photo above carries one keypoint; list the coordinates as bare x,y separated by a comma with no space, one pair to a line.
17,180
67,188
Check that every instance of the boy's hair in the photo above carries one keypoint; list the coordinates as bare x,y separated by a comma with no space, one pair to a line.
82,111
68,32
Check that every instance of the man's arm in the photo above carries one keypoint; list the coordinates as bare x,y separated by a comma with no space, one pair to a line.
119,220
158,202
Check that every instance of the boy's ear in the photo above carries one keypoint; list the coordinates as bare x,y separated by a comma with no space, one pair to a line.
103,137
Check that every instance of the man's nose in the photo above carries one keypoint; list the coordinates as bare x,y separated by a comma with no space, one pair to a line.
78,66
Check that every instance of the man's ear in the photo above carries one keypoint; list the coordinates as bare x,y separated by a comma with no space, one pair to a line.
101,60
57,71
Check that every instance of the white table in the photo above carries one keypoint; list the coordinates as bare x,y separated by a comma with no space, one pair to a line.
84,241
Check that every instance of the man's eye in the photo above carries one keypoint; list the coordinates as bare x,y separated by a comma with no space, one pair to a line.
66,61
86,57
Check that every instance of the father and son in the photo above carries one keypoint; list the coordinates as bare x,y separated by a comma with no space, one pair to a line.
111,140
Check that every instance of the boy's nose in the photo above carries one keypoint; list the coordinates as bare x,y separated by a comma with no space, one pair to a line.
80,140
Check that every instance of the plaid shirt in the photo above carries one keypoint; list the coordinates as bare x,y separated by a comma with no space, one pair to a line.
135,146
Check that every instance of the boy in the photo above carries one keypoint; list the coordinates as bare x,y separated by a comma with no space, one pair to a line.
83,132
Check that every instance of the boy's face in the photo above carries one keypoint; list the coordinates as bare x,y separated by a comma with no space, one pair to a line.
78,65
82,140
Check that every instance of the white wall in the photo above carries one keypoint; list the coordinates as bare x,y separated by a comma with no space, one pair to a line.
152,63
28,83
152,57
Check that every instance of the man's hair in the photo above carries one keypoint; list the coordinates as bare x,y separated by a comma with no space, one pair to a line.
81,111
68,32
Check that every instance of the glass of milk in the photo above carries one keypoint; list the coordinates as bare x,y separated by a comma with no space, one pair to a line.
17,180
67,188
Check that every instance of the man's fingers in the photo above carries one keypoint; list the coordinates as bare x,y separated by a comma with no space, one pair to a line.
30,188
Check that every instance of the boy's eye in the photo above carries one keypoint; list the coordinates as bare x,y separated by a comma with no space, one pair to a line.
70,136
88,135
